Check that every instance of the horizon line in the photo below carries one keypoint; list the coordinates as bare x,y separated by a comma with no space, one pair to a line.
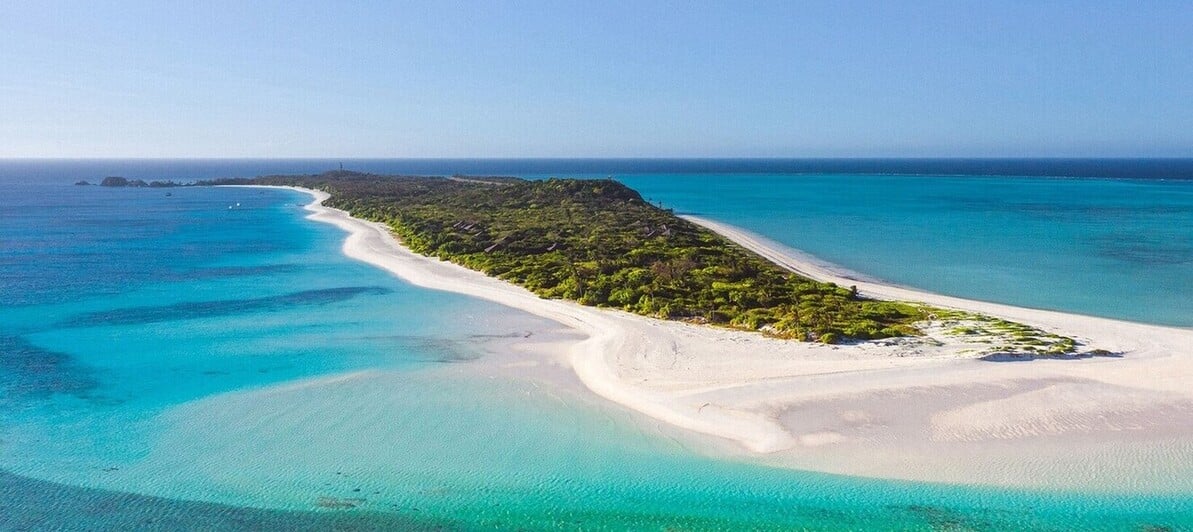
615,158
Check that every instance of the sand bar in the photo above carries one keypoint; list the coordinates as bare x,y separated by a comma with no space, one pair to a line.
899,409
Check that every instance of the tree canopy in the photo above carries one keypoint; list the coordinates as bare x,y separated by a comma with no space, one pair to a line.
599,243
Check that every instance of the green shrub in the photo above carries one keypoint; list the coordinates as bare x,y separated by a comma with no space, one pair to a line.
599,243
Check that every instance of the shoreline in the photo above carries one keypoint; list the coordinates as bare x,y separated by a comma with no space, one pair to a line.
828,408
809,266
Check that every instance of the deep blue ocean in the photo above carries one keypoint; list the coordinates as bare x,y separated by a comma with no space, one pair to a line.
156,351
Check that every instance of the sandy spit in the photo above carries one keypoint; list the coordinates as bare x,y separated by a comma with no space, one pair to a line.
897,409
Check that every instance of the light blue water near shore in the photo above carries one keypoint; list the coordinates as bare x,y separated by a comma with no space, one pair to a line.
135,328
119,303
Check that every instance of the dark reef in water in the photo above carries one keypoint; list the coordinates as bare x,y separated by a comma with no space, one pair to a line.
29,504
207,309
30,372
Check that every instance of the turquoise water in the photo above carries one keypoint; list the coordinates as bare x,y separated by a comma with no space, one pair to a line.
1106,237
157,362
1119,248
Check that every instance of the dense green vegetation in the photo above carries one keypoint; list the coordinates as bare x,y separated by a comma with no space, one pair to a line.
599,243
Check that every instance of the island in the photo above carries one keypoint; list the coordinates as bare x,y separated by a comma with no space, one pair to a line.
599,243
964,389
121,182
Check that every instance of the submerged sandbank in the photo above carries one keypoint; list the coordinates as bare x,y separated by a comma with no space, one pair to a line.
900,409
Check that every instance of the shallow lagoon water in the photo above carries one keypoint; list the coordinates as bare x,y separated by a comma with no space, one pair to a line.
169,358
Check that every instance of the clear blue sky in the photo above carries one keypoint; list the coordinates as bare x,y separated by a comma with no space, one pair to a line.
596,79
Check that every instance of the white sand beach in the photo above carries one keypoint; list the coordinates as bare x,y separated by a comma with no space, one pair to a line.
905,409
